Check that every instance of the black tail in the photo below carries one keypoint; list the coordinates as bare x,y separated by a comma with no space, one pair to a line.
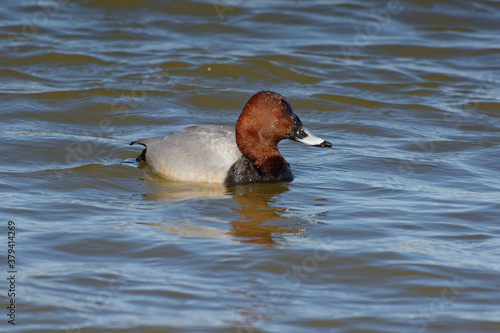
142,157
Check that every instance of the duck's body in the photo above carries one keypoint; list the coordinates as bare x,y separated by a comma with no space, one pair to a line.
211,153
220,154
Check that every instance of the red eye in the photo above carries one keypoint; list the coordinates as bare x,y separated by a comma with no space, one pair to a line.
277,112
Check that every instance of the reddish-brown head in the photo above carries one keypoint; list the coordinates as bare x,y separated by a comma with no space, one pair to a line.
266,119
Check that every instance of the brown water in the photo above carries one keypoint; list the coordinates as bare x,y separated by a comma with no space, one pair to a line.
396,229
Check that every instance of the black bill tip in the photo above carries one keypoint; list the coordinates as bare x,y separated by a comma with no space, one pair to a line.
324,144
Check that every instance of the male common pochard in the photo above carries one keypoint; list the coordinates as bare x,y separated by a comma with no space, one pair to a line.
220,154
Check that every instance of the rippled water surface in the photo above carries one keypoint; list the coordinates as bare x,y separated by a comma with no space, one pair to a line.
395,229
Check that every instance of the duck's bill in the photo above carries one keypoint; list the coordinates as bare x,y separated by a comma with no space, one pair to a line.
301,134
312,140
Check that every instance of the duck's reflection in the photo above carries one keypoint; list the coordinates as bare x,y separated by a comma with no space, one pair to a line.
263,220
252,210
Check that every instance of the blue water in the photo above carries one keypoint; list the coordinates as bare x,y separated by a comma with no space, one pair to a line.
395,229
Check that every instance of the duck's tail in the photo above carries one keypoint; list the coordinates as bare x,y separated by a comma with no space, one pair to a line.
142,157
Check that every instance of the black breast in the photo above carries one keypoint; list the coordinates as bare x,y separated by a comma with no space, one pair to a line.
244,172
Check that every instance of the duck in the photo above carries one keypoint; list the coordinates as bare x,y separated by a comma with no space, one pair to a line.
245,154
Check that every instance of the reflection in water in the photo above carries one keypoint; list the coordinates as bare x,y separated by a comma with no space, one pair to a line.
261,220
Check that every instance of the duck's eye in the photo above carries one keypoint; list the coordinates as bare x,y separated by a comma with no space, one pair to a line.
277,112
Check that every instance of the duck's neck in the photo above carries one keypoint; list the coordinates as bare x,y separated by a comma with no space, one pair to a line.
260,163
265,158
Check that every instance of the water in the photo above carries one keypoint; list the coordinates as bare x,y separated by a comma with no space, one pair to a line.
395,229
